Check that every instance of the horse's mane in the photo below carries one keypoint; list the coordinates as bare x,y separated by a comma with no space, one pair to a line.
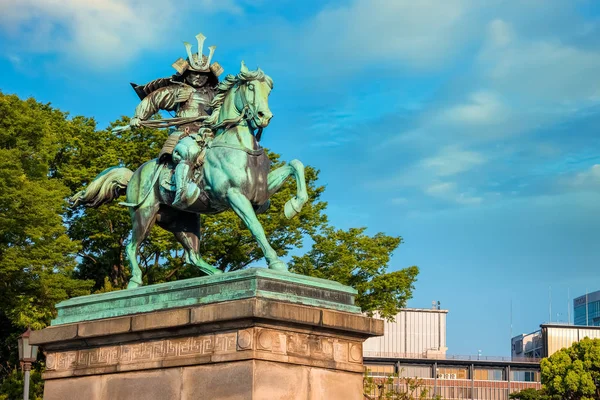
224,87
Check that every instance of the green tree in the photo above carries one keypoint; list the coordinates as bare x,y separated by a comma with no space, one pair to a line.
103,232
355,259
12,386
49,252
574,373
37,259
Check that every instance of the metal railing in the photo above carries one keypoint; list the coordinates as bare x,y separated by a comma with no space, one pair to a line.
380,354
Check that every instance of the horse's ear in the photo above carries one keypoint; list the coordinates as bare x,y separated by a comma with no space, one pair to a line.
243,68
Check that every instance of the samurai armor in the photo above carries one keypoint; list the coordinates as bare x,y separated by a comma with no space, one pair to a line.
170,144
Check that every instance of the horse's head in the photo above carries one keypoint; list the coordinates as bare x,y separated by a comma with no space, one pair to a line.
252,96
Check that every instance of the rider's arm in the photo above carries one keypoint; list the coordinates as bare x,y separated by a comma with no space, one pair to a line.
162,99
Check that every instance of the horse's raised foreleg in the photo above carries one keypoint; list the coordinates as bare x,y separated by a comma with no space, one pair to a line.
142,221
243,208
276,179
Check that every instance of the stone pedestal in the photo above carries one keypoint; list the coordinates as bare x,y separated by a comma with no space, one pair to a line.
254,334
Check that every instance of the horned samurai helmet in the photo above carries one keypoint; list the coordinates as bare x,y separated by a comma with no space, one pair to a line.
198,62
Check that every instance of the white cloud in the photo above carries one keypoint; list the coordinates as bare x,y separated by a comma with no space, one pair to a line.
452,160
500,33
503,98
585,180
418,33
483,107
399,201
425,176
518,83
14,60
441,189
449,191
95,33
539,71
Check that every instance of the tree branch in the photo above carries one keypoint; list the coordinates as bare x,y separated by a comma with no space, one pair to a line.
88,256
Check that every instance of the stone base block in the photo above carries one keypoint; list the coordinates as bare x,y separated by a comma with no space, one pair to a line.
242,380
247,348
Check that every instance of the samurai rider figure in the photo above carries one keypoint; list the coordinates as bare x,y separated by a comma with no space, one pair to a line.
188,93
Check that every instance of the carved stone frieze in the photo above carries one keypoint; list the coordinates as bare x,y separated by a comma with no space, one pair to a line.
301,346
157,350
311,346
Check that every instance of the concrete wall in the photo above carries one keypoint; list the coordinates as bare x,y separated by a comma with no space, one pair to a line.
414,331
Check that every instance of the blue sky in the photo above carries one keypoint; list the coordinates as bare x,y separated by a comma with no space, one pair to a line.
468,127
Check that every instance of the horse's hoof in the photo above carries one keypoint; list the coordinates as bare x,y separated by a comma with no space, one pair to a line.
210,270
291,208
278,266
133,284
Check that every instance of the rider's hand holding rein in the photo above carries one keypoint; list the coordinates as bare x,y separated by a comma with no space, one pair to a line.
135,122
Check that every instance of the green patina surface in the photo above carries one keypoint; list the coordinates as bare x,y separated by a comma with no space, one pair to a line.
251,282
216,161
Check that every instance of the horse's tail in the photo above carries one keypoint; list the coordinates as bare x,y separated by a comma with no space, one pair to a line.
107,186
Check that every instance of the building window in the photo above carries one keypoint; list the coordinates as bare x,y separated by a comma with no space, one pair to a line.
524,376
452,373
489,374
415,371
380,370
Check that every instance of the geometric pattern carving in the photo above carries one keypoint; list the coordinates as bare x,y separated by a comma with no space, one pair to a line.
299,345
142,352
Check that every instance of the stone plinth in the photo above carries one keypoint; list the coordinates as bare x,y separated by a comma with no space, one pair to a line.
280,336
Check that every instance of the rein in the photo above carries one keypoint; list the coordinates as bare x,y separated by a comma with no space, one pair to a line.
251,152
247,114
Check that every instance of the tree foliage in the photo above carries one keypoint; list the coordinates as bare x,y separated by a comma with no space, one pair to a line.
573,373
531,394
355,259
37,257
12,386
49,252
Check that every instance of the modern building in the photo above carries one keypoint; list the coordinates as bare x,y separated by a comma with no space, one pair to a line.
587,309
550,339
414,346
414,332
460,377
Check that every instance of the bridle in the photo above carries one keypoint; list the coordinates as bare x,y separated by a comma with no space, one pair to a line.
247,113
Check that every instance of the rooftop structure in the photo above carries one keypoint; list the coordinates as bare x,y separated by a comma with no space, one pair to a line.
415,332
549,339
